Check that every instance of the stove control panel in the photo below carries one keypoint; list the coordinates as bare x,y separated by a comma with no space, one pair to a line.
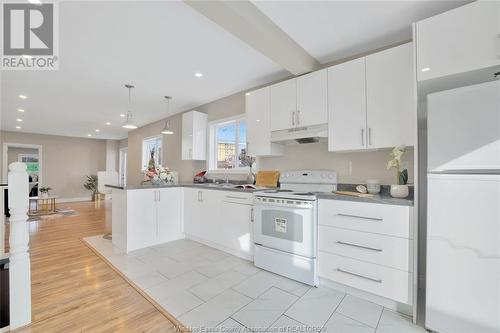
309,177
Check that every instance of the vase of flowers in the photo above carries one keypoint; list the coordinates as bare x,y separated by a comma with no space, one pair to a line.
400,189
44,192
157,175
248,160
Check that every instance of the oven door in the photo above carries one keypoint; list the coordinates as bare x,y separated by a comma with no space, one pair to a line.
287,228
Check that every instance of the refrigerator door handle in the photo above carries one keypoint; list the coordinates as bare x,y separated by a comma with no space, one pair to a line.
466,172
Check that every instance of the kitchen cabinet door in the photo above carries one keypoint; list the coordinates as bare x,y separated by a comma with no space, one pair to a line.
237,232
141,218
169,214
193,212
258,114
347,106
390,99
194,135
312,99
460,40
283,97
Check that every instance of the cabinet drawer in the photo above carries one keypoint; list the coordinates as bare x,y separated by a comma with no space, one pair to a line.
387,282
377,218
237,197
378,249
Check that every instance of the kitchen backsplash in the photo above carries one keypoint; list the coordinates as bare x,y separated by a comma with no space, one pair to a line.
354,167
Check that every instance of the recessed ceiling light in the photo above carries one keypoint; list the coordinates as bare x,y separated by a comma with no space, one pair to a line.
23,96
123,115
97,130
108,123
20,110
18,127
198,74
19,120
257,120
89,135
426,69
248,94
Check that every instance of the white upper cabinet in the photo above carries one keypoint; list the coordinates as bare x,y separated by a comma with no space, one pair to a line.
299,102
194,135
257,109
283,105
370,101
347,106
464,39
390,98
312,100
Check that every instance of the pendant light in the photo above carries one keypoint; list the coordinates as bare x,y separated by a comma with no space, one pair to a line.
166,129
129,124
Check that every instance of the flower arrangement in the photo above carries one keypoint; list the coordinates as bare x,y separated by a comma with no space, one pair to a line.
44,191
248,160
395,162
157,175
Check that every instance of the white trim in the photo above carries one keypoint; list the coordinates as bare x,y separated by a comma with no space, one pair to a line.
212,151
5,157
63,200
159,136
122,151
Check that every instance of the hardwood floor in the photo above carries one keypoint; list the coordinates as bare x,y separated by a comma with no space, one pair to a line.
74,290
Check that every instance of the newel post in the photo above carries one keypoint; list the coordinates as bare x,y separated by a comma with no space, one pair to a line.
19,266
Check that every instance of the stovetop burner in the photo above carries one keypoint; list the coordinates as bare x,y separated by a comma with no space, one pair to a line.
303,193
278,191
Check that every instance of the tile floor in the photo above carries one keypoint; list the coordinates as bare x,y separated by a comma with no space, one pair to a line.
207,288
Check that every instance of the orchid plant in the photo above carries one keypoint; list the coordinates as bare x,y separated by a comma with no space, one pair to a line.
395,162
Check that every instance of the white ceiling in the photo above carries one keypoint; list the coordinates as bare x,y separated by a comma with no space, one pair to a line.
333,30
159,45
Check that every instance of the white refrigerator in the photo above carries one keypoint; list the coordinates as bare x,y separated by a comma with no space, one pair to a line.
463,210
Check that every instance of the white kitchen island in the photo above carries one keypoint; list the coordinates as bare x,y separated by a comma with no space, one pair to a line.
144,216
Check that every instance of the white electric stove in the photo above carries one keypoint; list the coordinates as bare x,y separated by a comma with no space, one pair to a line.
286,224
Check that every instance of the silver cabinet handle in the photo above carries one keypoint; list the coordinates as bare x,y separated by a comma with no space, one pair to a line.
293,118
298,117
363,137
361,217
360,246
235,197
154,200
251,215
199,196
359,275
159,195
370,136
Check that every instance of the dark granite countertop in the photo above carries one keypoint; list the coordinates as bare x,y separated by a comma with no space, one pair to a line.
206,186
383,198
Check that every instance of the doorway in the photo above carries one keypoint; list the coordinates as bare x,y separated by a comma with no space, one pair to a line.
29,154
123,166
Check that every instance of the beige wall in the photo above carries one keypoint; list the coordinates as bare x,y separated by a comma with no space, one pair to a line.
354,167
65,160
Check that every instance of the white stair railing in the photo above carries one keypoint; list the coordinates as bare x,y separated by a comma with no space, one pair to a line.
19,266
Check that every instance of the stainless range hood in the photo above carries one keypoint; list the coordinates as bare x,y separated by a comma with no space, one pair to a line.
306,134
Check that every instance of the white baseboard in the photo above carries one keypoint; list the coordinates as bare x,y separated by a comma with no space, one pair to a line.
62,200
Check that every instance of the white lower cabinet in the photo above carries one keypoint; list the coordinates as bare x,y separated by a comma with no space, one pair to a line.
221,219
376,279
153,216
367,246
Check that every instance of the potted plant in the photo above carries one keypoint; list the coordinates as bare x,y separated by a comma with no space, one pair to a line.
400,189
91,185
44,191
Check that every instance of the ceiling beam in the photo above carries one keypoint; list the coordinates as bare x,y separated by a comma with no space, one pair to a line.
244,20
